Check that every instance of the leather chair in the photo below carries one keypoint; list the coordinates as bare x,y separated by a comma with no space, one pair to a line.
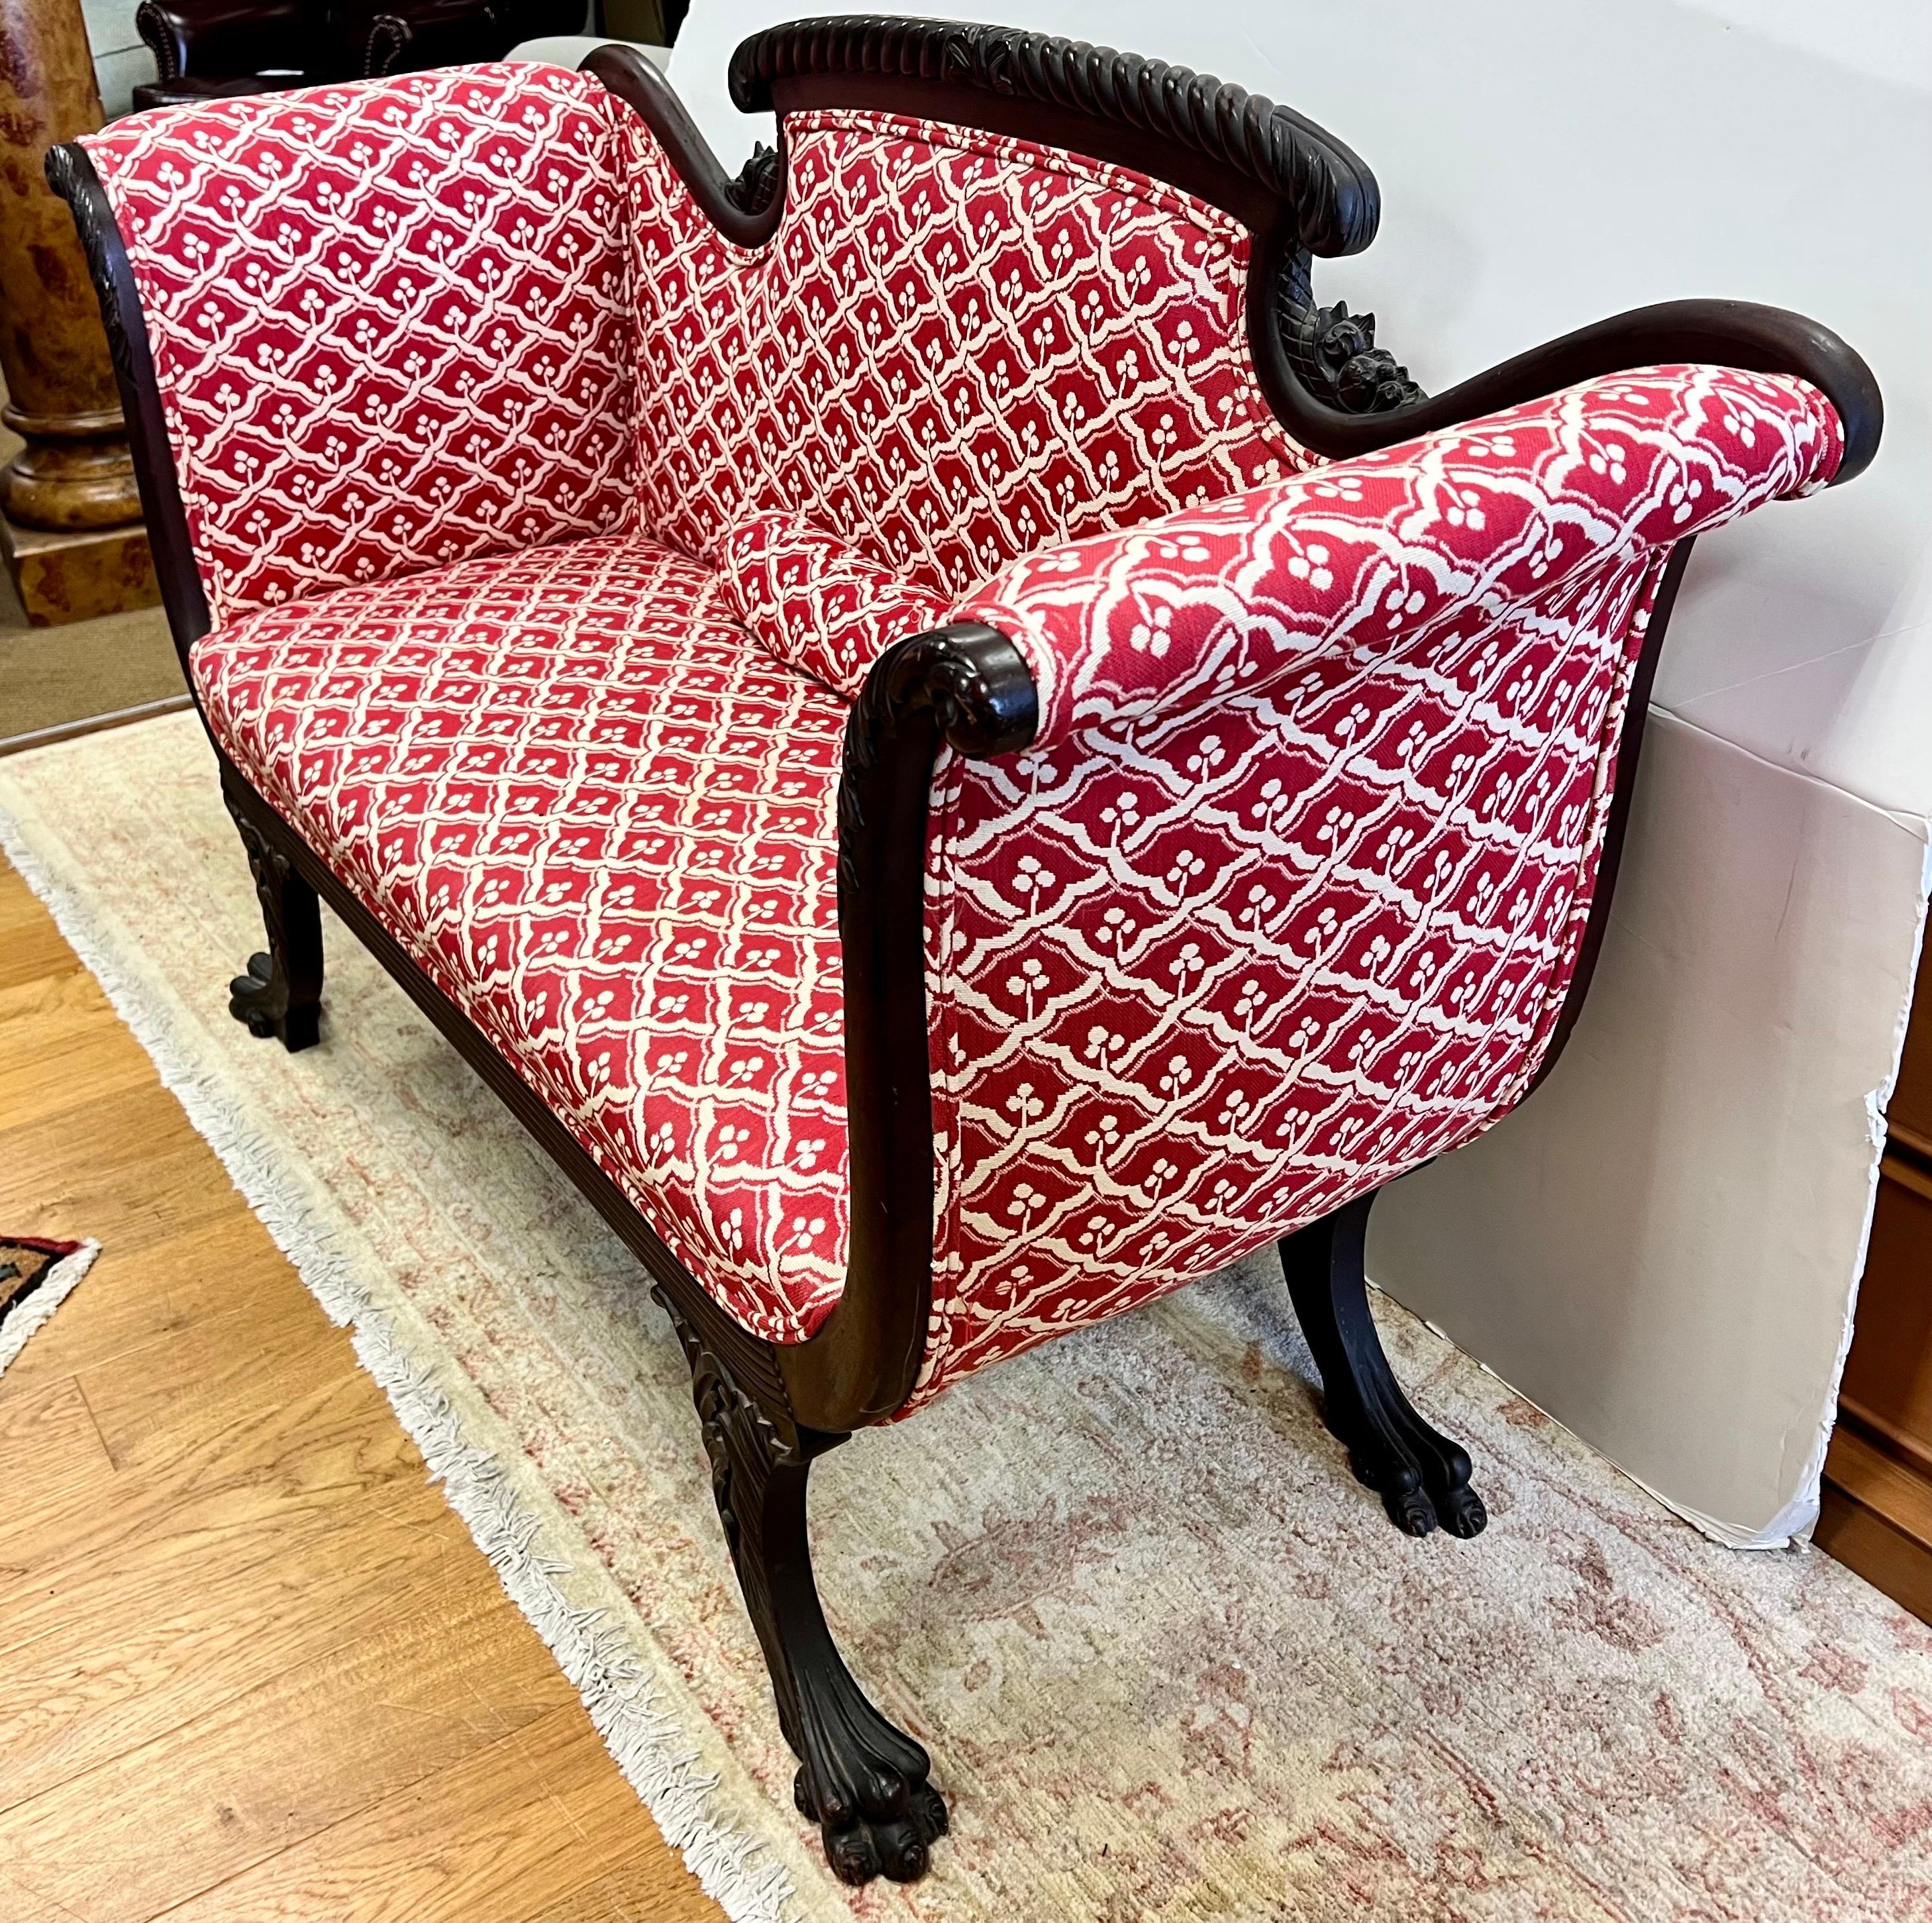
216,49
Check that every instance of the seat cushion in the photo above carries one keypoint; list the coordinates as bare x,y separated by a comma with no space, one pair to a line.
603,820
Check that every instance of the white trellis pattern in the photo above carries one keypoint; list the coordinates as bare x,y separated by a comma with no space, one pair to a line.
605,825
1283,900
956,349
389,323
806,597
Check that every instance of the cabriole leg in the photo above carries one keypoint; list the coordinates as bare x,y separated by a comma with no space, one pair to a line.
281,993
860,1779
1422,1477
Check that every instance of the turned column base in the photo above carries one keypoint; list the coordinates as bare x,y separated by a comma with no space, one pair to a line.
63,577
70,486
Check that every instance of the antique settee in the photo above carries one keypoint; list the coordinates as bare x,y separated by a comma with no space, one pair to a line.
960,751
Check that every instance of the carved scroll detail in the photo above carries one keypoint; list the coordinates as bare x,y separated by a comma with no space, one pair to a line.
1334,351
862,1780
1332,194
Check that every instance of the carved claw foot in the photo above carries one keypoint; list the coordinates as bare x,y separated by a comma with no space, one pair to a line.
260,1000
1422,1477
877,1817
861,1779
281,994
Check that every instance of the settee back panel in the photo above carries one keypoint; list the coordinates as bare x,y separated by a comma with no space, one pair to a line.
957,347
387,321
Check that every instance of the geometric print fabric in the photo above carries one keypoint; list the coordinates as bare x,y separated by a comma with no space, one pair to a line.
604,824
390,324
956,349
1283,899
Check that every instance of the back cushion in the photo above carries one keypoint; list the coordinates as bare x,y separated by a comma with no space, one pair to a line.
957,348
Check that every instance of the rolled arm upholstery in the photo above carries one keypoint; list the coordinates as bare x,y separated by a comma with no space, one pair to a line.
1285,895
1488,519
388,321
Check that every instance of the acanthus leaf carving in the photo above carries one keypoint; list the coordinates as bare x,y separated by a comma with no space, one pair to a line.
1334,351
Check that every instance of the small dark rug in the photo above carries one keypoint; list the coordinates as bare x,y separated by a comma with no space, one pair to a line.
36,1277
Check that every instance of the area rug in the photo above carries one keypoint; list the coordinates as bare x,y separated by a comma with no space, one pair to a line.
36,1277
1170,1661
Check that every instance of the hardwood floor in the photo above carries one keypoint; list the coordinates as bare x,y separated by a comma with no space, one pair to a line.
251,1666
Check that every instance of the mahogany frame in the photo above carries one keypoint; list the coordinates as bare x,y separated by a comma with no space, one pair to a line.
769,1408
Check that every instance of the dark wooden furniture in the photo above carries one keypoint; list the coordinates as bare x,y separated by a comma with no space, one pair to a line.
71,531
1877,1511
215,49
768,1410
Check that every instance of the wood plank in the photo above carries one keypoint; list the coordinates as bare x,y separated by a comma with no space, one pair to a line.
19,1904
126,1647
1863,1541
631,1895
1911,1109
1898,1490
226,1372
235,1787
30,947
1888,1372
48,1437
511,1826
321,1450
230,1264
249,1661
55,1051
1876,1518
127,1169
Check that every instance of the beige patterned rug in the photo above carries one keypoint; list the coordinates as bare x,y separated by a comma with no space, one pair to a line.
1170,1661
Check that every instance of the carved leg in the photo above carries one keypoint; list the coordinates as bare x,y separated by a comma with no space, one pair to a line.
1422,1477
281,993
861,1780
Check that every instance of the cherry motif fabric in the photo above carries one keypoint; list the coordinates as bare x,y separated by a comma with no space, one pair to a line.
604,823
1285,899
956,349
809,601
390,322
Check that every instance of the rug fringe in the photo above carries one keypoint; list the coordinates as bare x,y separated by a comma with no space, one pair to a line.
643,1738
56,1285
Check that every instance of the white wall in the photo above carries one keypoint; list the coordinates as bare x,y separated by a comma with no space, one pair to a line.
1676,1287
122,60
1546,162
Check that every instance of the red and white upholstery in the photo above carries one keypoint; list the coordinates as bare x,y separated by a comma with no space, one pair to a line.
1285,897
538,610
604,823
389,322
809,600
956,350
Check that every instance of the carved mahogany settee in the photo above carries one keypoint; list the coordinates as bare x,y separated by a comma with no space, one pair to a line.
959,751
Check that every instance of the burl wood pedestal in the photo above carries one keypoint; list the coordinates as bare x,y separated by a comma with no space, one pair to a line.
70,518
